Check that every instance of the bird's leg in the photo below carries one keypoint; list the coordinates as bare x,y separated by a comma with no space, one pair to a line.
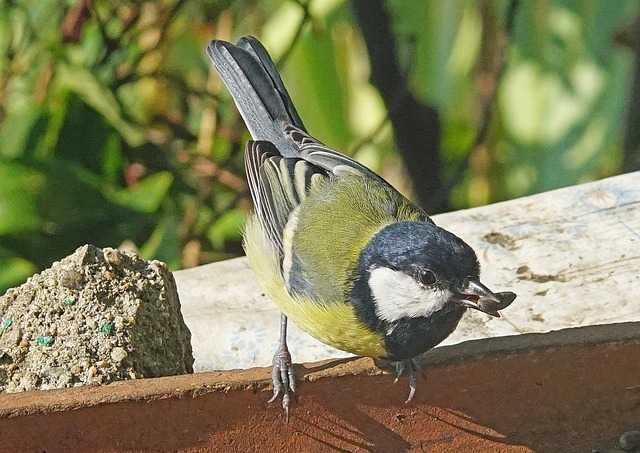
284,381
413,368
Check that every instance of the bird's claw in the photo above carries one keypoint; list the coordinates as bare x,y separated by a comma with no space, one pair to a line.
413,367
284,381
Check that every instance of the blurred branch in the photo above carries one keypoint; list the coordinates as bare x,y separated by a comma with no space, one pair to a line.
490,72
181,84
416,126
74,21
111,44
629,36
306,16
491,68
169,15
203,166
178,129
369,138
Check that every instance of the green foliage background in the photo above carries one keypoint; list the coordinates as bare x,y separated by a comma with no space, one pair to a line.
115,130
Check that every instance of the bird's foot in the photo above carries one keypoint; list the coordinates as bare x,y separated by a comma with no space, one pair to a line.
412,367
284,381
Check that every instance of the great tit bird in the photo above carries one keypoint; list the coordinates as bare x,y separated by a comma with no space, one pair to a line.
339,250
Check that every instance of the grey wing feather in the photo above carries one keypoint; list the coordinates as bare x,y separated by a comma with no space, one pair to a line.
326,157
278,185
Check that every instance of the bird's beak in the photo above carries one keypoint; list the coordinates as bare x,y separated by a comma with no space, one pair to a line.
477,296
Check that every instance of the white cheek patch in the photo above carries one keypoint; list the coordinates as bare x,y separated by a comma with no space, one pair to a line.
397,295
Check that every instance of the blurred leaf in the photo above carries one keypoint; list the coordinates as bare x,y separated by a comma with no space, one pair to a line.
112,160
18,198
20,129
228,227
58,207
81,81
563,95
72,196
425,36
85,137
15,270
163,243
148,193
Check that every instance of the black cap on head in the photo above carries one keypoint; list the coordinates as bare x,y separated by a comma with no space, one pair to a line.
411,246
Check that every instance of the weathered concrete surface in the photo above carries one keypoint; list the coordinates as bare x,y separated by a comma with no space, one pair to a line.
572,256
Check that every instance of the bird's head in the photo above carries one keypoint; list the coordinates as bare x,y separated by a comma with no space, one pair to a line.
417,268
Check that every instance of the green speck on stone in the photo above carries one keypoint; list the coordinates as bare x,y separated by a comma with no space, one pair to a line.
69,302
44,341
107,327
6,324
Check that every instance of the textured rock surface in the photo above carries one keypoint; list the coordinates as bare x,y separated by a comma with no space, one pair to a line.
94,317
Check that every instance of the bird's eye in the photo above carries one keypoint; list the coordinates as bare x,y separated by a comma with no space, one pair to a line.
426,277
